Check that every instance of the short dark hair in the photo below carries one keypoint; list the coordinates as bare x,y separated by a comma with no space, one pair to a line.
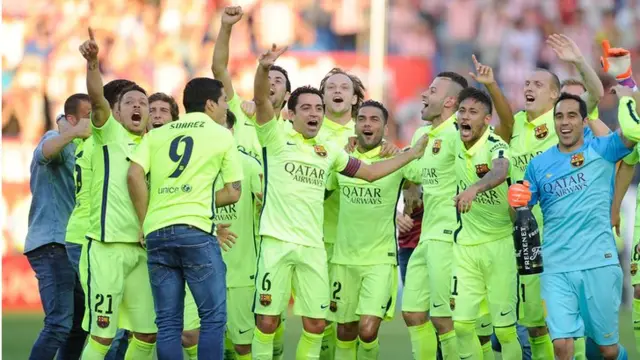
130,88
173,105
358,87
293,99
231,119
378,105
113,89
555,80
455,77
284,73
567,96
73,102
477,95
198,91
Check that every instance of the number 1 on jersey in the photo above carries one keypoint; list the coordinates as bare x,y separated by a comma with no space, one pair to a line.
181,158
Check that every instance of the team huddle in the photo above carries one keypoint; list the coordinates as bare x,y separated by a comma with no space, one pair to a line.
192,232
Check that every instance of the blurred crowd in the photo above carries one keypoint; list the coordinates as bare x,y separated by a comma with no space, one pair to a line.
162,43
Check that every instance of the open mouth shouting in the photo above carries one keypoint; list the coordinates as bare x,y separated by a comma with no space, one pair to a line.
465,130
338,99
313,124
368,134
529,98
156,124
136,118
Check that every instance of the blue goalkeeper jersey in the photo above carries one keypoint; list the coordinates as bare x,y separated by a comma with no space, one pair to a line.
575,191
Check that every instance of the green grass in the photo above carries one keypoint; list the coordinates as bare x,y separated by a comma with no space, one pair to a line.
19,331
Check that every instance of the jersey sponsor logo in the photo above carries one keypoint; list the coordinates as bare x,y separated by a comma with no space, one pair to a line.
265,299
333,306
320,150
541,131
324,306
485,325
244,331
291,143
502,313
634,269
489,197
186,125
565,185
362,195
482,170
437,305
226,213
305,173
577,159
521,161
608,256
437,144
169,190
429,176
102,321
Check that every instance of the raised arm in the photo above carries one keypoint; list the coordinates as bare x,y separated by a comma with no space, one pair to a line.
261,87
622,182
627,114
484,75
568,51
53,146
100,110
380,169
496,176
220,61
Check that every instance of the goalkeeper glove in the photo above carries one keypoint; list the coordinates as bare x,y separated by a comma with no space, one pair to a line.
617,63
519,195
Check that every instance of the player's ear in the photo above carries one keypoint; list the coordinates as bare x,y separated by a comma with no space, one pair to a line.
386,129
450,102
286,96
291,114
487,119
354,100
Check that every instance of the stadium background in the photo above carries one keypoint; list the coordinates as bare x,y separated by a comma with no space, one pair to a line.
162,43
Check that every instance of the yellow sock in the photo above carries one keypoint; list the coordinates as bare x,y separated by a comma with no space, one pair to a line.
243,357
468,344
262,345
368,351
508,337
424,342
580,349
346,350
94,350
541,347
309,346
487,351
192,352
449,345
636,322
278,341
139,350
328,349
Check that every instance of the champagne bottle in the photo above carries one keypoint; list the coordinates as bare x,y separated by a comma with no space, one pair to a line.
526,238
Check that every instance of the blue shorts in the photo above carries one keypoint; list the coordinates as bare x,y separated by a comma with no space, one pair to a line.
584,302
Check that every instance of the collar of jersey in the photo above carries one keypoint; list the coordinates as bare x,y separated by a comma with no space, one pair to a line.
371,154
478,144
299,138
435,131
541,119
134,137
350,125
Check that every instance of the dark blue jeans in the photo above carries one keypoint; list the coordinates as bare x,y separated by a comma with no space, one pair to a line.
121,342
403,259
180,253
62,302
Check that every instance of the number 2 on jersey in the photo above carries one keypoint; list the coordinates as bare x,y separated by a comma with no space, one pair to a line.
181,158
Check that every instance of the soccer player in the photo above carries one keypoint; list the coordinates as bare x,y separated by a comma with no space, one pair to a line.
237,221
573,184
79,219
576,87
183,160
428,281
280,86
529,133
163,109
296,166
484,267
363,270
53,200
113,264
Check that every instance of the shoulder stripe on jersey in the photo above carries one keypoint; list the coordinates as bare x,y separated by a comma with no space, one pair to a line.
395,225
105,192
632,112
265,176
89,296
458,219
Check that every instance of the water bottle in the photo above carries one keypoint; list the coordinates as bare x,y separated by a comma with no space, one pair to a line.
526,238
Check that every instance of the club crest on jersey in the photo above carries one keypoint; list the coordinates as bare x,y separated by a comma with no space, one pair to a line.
452,303
320,150
634,269
482,170
437,144
333,306
577,159
103,321
541,131
265,299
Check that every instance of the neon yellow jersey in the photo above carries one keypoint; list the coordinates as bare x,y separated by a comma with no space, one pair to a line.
594,114
367,218
339,135
438,179
244,130
628,118
83,173
183,159
295,174
241,258
112,217
489,219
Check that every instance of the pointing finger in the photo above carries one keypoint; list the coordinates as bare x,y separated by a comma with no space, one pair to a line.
475,60
91,35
